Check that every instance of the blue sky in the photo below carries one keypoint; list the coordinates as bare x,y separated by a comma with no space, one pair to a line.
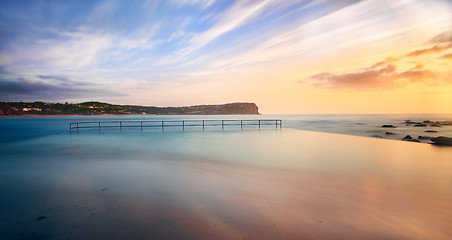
183,52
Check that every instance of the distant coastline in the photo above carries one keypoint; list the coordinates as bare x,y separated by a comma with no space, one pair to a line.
42,109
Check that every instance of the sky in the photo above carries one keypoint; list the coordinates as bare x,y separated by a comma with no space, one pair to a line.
306,56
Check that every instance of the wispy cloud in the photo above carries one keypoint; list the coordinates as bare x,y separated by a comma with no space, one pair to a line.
434,49
74,51
441,43
234,17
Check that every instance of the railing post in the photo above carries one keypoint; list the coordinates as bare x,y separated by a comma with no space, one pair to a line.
183,125
276,123
99,126
141,126
77,126
241,124
202,124
259,124
70,127
120,126
222,124
163,126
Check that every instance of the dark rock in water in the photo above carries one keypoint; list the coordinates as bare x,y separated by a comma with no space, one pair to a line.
387,126
420,125
445,141
436,125
409,122
427,121
390,133
407,137
104,189
377,136
430,131
424,137
359,123
40,218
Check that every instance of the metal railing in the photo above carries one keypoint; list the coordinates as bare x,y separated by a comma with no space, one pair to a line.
175,123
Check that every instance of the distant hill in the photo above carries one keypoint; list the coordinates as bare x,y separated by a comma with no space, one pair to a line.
99,108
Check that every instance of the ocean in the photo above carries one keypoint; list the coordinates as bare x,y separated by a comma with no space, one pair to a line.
317,177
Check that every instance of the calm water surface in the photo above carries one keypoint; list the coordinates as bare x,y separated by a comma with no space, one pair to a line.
252,184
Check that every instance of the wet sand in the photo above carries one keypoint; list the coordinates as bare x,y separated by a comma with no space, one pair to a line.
370,193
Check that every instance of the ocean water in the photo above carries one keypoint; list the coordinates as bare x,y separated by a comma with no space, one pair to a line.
317,177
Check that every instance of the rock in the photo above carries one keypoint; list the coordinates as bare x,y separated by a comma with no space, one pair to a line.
413,140
387,126
444,141
424,137
40,218
407,137
431,131
436,125
427,121
390,133
420,125
377,136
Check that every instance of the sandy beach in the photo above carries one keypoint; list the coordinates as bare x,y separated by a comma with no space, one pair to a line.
286,184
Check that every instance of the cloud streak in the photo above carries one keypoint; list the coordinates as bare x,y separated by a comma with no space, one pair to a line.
374,79
233,18
24,89
440,42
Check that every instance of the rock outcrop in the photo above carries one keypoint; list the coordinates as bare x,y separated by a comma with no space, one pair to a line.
408,138
424,137
445,141
431,131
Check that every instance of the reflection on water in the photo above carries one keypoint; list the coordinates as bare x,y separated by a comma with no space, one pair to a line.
267,184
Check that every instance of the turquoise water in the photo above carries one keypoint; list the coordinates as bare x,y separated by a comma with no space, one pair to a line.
224,184
13,129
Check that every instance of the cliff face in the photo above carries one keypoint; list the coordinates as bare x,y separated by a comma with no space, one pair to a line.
230,108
